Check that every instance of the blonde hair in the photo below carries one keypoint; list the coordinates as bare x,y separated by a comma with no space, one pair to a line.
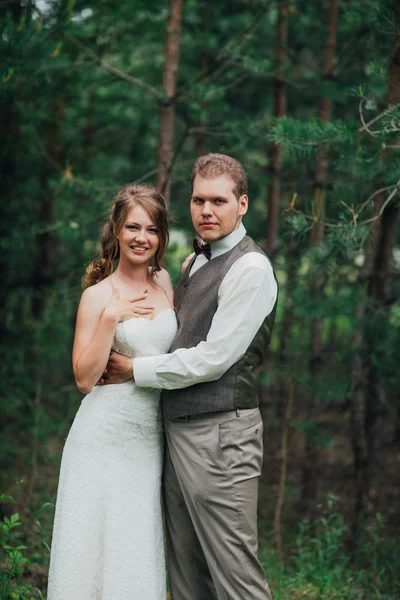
212,165
129,196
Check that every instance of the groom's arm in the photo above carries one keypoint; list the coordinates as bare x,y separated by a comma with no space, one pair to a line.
246,296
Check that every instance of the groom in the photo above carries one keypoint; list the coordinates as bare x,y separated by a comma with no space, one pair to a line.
226,303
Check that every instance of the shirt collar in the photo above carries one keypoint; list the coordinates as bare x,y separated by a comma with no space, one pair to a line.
228,242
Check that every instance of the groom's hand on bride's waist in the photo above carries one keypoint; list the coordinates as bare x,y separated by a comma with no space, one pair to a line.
118,370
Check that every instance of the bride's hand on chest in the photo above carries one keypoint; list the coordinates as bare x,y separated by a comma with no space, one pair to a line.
122,309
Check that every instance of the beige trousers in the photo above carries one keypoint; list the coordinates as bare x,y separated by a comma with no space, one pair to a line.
212,465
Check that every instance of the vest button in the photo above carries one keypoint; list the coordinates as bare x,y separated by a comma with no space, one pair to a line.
185,284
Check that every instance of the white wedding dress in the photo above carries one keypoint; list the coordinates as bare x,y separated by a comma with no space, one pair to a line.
108,541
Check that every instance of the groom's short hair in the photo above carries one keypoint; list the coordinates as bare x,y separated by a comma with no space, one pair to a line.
211,165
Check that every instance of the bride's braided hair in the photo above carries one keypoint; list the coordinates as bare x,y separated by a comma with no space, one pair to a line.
129,196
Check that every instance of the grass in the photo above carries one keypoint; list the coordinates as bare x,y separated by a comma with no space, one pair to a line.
315,564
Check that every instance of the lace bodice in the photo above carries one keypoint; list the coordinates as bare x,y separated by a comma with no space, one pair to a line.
145,337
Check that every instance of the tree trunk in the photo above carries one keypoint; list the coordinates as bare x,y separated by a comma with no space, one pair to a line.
358,374
44,275
285,443
275,159
325,114
46,263
379,291
274,188
286,329
15,7
317,284
201,136
88,133
381,279
167,110
366,386
10,129
358,413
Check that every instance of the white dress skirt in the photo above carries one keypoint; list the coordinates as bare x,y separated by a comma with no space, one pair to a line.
108,541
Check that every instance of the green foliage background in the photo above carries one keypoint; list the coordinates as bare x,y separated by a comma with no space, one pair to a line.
73,132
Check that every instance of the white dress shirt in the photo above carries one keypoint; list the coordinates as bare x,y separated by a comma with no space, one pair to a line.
246,296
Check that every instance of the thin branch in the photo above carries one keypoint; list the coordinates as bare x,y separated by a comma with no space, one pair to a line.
376,193
220,62
121,74
42,148
66,172
145,176
243,36
384,205
50,228
291,209
177,151
317,143
351,211
182,95
238,80
366,126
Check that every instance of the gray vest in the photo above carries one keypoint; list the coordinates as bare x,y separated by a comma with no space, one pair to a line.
196,302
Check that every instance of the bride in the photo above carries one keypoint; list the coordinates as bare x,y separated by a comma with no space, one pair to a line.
108,536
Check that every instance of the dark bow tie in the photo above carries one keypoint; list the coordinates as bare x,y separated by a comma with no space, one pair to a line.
202,249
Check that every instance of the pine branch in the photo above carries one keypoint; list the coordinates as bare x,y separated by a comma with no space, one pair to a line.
376,193
221,61
291,209
386,112
384,205
121,74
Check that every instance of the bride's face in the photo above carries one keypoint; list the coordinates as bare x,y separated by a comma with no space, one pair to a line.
138,239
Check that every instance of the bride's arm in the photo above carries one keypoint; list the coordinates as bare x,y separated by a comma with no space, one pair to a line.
95,328
94,335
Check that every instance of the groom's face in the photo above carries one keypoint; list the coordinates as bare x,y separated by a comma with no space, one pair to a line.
214,208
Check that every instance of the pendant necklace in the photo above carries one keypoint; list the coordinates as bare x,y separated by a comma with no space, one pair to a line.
145,291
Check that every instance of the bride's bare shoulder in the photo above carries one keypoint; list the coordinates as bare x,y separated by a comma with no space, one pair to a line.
99,293
162,280
162,277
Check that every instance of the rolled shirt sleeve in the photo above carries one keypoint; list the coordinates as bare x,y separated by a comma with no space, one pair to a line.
246,297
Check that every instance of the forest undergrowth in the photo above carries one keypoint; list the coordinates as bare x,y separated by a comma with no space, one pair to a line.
316,562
